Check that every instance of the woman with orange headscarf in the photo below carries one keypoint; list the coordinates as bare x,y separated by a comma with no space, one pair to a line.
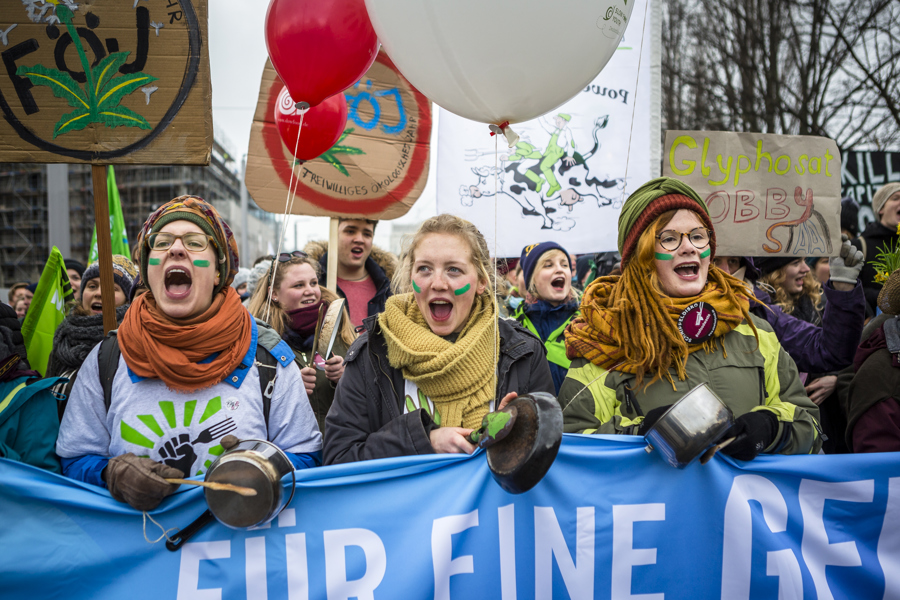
672,321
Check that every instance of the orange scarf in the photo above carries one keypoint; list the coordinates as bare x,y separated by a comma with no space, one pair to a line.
155,345
592,336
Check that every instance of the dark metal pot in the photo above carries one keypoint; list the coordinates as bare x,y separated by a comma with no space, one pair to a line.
255,464
690,426
522,458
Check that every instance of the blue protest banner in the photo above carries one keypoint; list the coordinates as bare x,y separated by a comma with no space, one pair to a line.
608,521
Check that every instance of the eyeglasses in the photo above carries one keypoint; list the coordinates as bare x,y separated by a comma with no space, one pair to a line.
193,242
287,256
671,239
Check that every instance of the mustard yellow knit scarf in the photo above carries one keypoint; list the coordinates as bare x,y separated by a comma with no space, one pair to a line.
457,377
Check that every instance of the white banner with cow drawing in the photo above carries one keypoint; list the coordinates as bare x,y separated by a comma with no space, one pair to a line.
566,178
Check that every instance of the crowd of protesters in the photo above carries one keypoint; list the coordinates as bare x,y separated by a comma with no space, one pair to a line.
804,350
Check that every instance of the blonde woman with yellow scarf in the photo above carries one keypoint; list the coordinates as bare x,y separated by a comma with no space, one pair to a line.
672,321
437,359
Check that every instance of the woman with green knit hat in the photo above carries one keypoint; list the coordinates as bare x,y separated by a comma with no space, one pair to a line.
437,359
194,373
672,321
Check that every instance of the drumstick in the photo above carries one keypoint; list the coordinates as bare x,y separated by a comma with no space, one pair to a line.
219,487
707,456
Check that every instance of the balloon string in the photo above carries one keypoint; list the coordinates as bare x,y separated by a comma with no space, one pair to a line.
288,208
636,91
496,258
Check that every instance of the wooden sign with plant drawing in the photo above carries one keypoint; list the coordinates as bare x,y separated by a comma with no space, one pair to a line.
105,81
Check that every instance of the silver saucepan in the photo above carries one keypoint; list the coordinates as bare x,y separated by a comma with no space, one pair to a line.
255,464
690,426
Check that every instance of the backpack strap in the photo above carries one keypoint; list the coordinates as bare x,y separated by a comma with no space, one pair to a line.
267,365
108,361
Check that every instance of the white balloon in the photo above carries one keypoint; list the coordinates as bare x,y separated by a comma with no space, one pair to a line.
500,60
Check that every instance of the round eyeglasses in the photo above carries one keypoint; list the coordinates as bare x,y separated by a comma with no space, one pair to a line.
192,242
671,239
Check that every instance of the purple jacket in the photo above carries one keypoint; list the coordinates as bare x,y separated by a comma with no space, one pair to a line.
830,347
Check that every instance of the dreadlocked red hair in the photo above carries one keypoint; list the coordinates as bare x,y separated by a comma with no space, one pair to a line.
641,324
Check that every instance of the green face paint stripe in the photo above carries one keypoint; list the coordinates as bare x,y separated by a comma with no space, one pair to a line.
133,436
462,290
416,288
663,256
152,425
706,253
168,410
201,263
214,406
153,261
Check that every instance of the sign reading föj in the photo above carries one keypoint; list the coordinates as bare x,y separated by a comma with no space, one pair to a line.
377,169
767,194
105,81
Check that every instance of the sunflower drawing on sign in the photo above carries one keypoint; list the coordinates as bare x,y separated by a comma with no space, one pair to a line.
98,99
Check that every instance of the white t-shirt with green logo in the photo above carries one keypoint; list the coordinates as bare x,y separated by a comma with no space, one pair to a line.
183,429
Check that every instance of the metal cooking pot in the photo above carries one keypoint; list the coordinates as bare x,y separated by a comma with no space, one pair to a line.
522,458
255,464
690,426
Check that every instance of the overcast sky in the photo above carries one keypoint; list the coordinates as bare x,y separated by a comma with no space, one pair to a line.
237,55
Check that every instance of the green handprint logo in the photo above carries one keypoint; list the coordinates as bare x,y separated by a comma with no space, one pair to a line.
425,404
98,101
176,448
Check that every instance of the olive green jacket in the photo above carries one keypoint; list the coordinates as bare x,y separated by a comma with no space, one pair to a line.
595,400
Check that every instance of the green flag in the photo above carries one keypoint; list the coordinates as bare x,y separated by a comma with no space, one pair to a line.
47,311
116,221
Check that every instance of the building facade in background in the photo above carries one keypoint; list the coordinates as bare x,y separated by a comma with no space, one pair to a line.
24,212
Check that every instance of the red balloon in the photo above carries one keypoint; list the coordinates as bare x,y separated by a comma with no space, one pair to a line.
322,125
319,47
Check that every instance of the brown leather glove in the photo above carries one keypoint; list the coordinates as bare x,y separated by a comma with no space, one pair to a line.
139,481
229,441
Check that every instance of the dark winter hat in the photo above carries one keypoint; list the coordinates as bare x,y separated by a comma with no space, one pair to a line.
532,254
31,287
770,264
124,273
75,265
198,211
850,216
653,199
9,320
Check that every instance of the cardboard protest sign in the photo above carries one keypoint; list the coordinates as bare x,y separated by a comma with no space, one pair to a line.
378,168
105,81
767,194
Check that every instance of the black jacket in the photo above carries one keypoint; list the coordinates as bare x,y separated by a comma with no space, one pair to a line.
876,237
367,421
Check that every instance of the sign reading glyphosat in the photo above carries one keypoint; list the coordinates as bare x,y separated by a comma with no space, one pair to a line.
768,195
105,82
376,170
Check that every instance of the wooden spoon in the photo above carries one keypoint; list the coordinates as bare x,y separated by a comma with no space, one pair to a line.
707,456
219,487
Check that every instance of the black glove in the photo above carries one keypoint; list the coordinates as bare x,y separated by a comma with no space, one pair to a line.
651,418
139,481
753,432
